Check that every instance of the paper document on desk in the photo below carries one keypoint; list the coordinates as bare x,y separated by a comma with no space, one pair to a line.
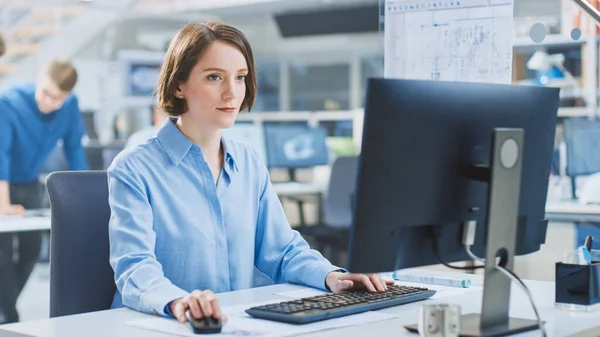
302,293
241,324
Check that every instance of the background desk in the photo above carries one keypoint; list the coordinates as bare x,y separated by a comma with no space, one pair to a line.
112,322
21,224
572,211
295,189
42,223
298,193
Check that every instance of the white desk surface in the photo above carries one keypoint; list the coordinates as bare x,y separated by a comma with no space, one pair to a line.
571,206
22,224
112,322
572,211
292,189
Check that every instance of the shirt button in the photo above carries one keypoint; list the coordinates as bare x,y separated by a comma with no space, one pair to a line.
227,160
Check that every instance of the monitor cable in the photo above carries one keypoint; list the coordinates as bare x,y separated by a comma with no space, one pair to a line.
434,243
468,240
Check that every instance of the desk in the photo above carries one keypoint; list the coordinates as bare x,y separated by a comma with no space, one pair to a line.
33,222
22,224
112,322
569,211
294,189
572,211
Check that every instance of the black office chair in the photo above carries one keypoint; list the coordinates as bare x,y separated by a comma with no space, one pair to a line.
582,138
81,278
333,232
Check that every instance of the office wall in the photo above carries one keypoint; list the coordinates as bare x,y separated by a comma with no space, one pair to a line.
100,90
537,8
101,81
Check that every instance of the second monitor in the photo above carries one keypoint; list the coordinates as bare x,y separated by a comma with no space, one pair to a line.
294,146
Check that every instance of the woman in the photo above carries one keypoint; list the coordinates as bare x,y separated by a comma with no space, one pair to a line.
193,213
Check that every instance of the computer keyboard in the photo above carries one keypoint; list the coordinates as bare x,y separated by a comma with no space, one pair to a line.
322,307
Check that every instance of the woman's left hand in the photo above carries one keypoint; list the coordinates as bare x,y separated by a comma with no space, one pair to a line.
337,282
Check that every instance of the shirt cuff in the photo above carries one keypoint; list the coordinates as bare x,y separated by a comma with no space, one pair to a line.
317,276
157,300
341,270
168,311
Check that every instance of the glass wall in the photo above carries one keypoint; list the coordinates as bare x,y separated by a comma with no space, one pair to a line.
319,87
269,87
369,67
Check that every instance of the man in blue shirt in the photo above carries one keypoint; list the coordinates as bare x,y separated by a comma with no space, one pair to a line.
33,118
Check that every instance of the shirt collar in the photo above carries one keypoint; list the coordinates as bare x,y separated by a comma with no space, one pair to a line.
177,145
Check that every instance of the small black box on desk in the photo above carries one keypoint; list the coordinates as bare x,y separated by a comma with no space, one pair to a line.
578,284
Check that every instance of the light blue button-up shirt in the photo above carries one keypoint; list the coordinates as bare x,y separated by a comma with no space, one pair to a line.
172,230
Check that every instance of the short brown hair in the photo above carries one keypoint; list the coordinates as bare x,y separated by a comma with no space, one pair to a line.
62,73
183,53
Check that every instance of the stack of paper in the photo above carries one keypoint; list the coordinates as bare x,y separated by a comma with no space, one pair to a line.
241,324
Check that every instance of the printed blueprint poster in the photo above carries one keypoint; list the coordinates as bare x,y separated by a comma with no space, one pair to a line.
449,40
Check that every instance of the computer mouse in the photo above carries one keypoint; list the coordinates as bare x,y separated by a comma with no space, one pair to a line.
204,325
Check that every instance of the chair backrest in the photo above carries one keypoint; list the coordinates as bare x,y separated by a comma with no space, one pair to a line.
582,138
337,204
81,278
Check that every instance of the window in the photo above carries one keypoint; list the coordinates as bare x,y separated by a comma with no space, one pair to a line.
320,87
370,67
267,98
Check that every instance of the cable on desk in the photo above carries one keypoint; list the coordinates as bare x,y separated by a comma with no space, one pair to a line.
512,276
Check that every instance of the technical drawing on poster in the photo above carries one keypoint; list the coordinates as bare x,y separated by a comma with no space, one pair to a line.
449,40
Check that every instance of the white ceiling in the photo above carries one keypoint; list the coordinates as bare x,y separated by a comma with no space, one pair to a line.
240,7
255,20
220,7
229,8
149,28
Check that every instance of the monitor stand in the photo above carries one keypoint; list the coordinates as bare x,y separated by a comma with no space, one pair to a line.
504,178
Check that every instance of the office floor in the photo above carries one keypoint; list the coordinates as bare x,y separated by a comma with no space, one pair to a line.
34,302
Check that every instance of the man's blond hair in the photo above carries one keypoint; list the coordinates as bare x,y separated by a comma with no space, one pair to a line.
62,73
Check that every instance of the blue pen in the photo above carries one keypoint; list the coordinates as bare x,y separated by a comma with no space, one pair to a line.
442,281
584,255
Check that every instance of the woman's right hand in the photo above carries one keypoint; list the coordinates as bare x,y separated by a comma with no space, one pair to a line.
12,210
200,303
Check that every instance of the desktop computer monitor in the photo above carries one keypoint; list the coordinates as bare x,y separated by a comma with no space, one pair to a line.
429,164
249,133
295,146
